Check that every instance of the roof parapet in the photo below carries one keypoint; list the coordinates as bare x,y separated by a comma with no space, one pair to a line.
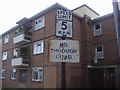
101,17
22,21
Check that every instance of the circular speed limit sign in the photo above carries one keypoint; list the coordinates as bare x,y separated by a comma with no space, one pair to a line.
64,28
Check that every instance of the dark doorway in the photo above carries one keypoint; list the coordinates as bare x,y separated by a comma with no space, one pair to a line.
22,75
109,79
75,82
102,78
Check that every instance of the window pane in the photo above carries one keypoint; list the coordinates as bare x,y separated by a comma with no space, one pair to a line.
3,74
4,56
37,74
13,73
38,47
6,39
40,74
99,48
15,52
97,26
39,23
35,48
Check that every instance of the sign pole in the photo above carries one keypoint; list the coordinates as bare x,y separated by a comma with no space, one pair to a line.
63,75
63,70
63,29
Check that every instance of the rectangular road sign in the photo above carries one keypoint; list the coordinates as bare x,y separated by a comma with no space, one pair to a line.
64,51
64,28
64,15
64,23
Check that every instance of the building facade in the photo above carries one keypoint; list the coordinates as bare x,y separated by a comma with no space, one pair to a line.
25,54
0,60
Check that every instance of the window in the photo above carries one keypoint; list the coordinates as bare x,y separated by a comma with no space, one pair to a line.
38,47
6,39
37,74
99,48
97,29
13,74
99,52
2,73
25,51
39,23
15,52
4,56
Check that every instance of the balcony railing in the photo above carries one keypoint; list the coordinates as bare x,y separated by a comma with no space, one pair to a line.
20,61
22,36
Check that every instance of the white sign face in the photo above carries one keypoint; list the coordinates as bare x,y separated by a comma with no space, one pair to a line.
64,14
64,23
64,51
64,28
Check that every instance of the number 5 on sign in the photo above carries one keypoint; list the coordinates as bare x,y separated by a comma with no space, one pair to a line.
64,28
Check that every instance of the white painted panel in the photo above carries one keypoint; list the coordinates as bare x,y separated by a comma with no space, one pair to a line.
18,38
17,61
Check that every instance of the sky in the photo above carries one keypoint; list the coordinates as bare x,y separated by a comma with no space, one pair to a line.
12,11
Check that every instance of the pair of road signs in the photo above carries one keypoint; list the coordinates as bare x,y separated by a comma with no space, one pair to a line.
64,50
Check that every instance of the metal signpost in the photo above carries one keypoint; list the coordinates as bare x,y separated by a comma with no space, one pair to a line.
63,29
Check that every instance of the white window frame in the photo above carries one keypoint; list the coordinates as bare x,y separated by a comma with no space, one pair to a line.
6,39
38,49
97,32
2,73
40,23
4,55
39,70
100,54
15,52
13,74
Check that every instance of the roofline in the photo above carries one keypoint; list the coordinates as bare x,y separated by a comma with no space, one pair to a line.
102,17
87,7
56,5
77,15
10,30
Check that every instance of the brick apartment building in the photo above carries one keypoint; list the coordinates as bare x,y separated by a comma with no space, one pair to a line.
25,51
0,59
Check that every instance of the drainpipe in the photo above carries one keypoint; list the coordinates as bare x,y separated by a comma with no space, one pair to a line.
117,25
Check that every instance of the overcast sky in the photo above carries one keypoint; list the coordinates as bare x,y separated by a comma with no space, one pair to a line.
12,11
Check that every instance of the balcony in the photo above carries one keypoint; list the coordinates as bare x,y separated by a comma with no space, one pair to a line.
22,38
22,35
20,62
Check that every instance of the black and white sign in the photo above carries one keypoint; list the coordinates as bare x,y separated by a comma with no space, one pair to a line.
64,23
64,28
64,51
64,15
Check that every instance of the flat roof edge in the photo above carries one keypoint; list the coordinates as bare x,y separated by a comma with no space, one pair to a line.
102,17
